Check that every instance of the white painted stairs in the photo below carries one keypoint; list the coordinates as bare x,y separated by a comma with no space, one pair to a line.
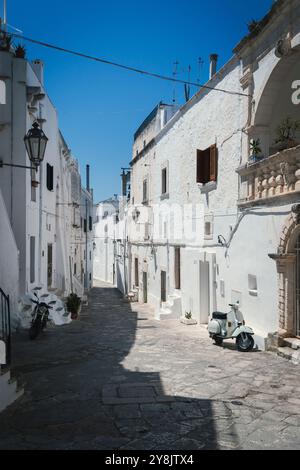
9,390
170,310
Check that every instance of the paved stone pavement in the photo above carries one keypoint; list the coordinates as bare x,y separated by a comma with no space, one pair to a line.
117,379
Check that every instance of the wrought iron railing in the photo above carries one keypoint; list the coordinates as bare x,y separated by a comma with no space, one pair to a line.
5,329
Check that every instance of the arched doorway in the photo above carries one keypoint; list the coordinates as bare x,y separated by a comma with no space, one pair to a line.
297,289
288,267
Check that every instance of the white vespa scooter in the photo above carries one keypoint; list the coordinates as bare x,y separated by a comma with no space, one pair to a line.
231,325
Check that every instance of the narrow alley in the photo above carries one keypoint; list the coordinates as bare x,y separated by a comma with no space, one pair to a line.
118,379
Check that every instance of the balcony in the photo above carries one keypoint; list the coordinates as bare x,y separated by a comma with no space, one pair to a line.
273,177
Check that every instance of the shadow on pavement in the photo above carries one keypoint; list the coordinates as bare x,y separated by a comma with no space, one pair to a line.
80,395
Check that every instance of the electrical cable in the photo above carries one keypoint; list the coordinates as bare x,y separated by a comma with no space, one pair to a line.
122,66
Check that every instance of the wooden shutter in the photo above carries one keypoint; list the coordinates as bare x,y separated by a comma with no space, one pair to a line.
213,167
200,178
49,177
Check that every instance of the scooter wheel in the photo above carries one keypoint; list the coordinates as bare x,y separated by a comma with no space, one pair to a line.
245,342
218,341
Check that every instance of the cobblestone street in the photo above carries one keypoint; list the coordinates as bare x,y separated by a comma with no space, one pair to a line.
117,379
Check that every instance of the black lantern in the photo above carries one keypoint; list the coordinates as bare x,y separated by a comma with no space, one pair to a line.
35,143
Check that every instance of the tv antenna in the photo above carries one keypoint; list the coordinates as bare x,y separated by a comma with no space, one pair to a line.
4,24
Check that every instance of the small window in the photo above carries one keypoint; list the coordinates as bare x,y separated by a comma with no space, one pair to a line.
49,177
208,227
84,254
164,185
207,165
90,224
145,191
84,225
90,255
252,284
74,269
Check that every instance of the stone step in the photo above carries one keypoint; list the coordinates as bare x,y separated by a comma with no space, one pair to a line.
9,390
293,343
290,354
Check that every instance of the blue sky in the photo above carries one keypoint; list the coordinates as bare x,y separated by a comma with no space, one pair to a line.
99,106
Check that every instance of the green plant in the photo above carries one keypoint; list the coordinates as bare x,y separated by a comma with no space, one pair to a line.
255,147
20,51
286,131
73,303
5,41
188,315
253,26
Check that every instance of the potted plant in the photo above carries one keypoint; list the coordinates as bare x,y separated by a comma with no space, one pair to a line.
255,151
286,133
73,305
5,41
20,52
188,319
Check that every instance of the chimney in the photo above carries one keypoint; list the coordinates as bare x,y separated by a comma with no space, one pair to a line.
213,65
88,178
38,68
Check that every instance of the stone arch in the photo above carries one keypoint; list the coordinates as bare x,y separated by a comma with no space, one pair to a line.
286,267
274,101
289,230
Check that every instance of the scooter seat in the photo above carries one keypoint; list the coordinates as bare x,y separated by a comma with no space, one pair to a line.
219,316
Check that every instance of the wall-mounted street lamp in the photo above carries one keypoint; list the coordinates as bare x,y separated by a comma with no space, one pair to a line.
35,142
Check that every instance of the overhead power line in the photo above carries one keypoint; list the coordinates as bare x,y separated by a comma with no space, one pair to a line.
125,67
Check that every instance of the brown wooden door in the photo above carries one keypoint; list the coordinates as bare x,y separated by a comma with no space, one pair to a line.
49,265
163,278
145,287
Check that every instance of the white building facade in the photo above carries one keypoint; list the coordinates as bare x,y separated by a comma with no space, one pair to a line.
243,238
42,234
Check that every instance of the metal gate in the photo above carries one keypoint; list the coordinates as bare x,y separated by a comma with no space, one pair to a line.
297,313
5,330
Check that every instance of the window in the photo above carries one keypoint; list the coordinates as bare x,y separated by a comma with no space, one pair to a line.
177,268
164,185
84,225
80,222
136,272
207,165
49,177
252,284
145,191
74,269
208,227
32,259
90,224
90,255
